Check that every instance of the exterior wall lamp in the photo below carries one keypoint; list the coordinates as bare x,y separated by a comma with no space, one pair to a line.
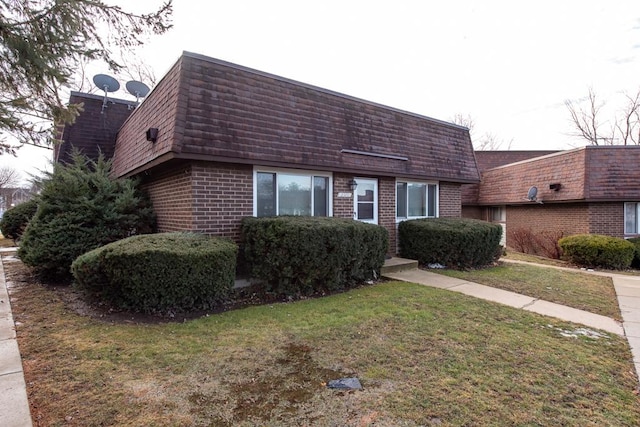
152,134
352,184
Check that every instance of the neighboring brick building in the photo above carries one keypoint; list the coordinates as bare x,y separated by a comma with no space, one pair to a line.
594,189
215,142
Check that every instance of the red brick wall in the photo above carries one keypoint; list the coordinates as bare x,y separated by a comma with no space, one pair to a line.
607,219
342,206
222,196
171,196
449,198
212,198
387,209
474,212
570,218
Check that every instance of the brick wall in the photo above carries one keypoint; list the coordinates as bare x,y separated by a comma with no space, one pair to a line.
387,209
607,219
449,198
222,196
571,218
474,212
171,196
342,206
212,198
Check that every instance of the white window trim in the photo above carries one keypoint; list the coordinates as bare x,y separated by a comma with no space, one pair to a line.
413,181
624,219
299,172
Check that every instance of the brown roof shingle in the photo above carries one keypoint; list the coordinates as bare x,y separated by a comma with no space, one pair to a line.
213,110
590,174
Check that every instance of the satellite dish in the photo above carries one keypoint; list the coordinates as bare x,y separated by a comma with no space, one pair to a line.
106,83
532,195
137,89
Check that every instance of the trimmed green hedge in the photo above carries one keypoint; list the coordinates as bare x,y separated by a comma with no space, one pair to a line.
452,242
297,255
594,250
15,220
159,272
636,257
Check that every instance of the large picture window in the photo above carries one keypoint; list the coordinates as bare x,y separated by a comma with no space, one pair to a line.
631,218
416,200
292,193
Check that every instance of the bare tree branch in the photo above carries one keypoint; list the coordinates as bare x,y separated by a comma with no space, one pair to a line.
9,177
587,122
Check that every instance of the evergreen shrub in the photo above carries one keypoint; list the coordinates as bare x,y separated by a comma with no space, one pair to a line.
81,208
452,242
159,272
15,220
595,250
296,255
636,257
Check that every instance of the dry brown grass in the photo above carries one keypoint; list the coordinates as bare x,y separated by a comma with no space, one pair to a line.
424,356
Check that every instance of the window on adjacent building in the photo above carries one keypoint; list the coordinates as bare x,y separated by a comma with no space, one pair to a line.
416,200
631,218
292,193
497,214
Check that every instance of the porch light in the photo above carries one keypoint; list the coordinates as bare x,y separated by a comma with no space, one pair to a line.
353,184
152,134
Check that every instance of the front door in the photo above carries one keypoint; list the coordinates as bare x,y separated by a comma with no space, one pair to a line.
366,200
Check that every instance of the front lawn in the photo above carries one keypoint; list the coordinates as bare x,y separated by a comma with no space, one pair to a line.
583,291
424,356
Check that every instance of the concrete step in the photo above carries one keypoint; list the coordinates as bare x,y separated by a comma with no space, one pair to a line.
396,264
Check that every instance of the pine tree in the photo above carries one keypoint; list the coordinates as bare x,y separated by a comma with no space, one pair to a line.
42,44
81,208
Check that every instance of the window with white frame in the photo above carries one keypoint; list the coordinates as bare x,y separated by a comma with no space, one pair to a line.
292,193
631,218
416,200
497,214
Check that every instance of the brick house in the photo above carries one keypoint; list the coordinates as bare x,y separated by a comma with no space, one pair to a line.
593,189
215,142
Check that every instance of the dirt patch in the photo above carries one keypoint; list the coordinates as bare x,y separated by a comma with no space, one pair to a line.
296,380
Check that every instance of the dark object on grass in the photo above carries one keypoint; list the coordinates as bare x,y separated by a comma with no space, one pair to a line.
345,384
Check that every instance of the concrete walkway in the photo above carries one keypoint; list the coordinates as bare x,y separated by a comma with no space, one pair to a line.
14,406
627,291
511,299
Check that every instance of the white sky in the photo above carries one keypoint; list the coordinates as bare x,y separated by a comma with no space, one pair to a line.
510,65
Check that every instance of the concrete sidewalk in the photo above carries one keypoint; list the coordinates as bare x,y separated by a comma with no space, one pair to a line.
511,299
14,406
627,289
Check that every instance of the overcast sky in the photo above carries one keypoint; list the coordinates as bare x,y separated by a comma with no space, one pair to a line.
509,65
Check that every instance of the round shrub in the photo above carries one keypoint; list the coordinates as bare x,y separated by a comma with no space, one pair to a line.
453,242
15,220
297,255
594,250
159,272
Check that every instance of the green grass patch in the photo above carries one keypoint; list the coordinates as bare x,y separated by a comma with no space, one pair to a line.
424,356
583,291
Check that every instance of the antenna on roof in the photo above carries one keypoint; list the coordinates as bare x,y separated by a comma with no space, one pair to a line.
106,83
137,89
532,195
